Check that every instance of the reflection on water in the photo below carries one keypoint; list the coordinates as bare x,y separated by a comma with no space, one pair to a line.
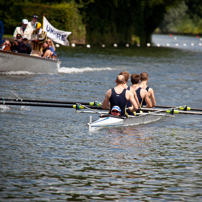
47,154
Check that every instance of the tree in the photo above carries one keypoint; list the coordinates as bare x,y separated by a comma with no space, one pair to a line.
194,7
117,21
183,19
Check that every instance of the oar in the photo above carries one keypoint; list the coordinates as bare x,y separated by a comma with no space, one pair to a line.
171,111
75,106
80,106
50,101
184,108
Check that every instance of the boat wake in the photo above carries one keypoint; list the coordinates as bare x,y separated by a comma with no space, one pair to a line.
70,70
4,108
22,73
66,70
18,73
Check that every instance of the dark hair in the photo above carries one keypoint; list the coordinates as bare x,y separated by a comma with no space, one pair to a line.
125,74
135,78
35,16
143,76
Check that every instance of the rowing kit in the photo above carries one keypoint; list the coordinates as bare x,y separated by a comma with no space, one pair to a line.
106,120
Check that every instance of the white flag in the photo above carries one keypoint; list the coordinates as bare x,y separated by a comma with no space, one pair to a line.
56,35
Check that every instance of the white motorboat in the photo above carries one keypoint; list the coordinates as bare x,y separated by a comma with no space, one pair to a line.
10,61
113,121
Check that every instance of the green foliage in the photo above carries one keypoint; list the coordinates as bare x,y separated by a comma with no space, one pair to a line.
118,21
181,20
194,7
64,16
173,18
190,26
108,21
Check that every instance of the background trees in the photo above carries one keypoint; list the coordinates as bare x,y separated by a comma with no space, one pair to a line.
124,21
62,15
108,21
185,18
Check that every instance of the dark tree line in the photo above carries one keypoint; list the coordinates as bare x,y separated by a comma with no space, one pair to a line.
97,21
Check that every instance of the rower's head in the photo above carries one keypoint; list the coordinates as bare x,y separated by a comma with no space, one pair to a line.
135,78
126,75
144,76
120,79
116,111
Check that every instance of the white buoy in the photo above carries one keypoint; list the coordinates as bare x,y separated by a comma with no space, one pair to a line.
200,39
192,44
103,46
158,45
177,44
88,46
148,44
184,44
200,44
57,45
127,45
175,38
167,44
73,44
115,45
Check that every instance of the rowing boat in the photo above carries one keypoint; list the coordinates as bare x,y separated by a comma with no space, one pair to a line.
114,121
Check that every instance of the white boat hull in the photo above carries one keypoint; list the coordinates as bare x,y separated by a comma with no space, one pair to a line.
110,121
10,61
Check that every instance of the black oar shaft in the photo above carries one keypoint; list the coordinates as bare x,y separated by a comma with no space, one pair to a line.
168,107
42,101
47,101
47,105
170,111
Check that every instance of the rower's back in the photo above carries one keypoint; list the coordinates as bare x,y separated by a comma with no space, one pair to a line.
144,79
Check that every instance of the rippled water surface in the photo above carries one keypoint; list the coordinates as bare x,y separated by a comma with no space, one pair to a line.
48,154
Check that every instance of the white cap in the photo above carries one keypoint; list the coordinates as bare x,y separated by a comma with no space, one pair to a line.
116,108
25,21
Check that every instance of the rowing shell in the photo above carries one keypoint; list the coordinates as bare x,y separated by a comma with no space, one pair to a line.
113,121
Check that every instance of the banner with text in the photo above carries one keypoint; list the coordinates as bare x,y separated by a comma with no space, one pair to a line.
56,35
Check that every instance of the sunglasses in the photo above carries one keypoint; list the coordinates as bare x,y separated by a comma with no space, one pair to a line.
115,111
6,44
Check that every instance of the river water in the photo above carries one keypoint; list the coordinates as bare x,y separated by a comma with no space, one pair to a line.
48,154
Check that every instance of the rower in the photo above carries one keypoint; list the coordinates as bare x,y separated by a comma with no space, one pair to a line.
127,76
119,96
144,79
142,94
